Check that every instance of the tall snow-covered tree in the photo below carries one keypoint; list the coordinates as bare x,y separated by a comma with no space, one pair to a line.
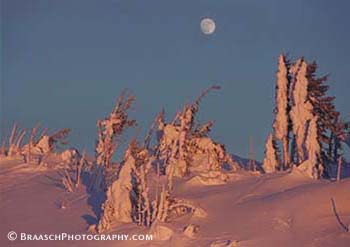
281,122
271,161
302,109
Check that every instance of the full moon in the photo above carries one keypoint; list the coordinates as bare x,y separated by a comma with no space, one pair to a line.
207,26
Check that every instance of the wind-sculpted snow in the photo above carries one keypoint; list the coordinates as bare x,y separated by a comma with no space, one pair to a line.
274,209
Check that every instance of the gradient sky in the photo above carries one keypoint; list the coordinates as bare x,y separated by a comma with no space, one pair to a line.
63,63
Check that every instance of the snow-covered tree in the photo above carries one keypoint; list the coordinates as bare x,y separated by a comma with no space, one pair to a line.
182,143
111,128
271,161
109,131
301,111
38,144
142,210
281,122
312,165
118,204
330,128
15,140
129,199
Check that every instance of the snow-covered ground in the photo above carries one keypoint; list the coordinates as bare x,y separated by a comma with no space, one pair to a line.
282,209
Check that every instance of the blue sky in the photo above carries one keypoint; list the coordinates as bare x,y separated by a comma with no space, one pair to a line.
63,63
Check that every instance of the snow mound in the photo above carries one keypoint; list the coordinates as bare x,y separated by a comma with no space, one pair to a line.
199,213
161,232
224,243
210,178
191,231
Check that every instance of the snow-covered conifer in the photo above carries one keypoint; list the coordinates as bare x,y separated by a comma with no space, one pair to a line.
270,162
281,122
301,111
312,166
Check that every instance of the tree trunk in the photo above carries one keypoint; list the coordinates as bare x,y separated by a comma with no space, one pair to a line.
339,169
335,149
286,155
